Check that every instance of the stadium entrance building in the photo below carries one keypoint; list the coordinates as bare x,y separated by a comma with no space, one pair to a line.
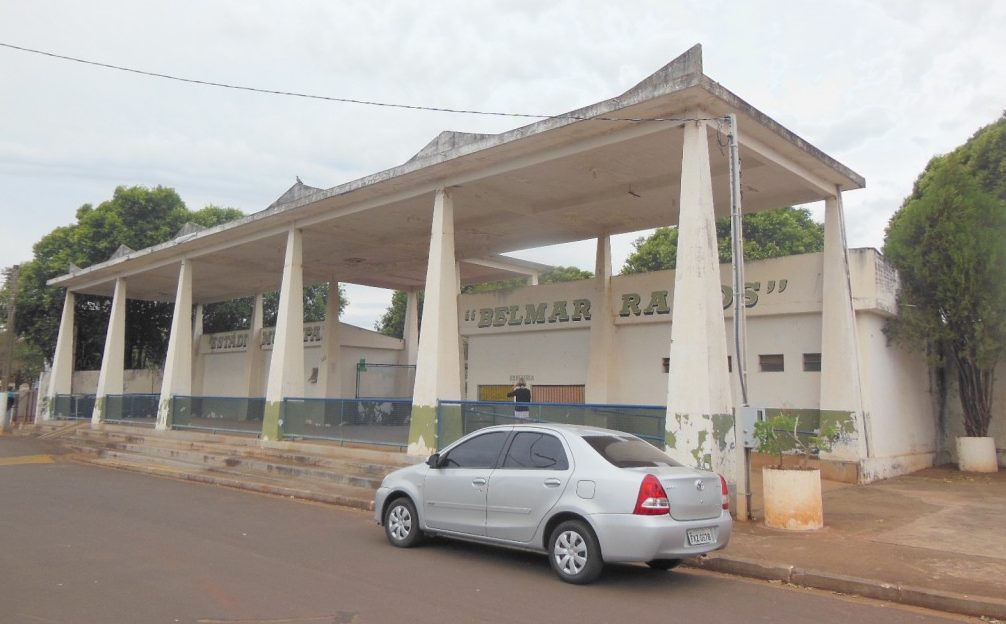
639,160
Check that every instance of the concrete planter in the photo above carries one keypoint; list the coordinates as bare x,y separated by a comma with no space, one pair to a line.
977,454
793,499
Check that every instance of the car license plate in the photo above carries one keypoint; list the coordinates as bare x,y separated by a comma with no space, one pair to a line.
697,537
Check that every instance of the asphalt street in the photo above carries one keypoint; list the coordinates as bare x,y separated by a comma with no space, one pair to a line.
82,544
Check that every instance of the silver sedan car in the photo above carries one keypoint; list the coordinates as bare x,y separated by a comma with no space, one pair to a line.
585,496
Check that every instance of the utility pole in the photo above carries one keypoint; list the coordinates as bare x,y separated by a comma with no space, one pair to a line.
12,279
740,326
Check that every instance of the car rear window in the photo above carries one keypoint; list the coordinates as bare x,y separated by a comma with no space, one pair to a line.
628,452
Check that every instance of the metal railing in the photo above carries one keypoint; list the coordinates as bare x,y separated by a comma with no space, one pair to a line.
131,409
218,413
366,421
73,407
459,418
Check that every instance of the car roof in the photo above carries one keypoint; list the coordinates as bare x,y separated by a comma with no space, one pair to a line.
579,430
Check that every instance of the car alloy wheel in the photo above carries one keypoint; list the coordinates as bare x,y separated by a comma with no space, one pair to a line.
401,523
575,554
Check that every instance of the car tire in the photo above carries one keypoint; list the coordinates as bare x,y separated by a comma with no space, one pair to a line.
664,564
574,553
401,523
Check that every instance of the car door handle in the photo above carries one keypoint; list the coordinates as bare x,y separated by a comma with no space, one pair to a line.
479,481
552,483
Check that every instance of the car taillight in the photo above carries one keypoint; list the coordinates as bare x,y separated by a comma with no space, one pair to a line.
726,493
652,499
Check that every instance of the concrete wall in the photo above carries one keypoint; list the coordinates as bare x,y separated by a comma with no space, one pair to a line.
783,317
223,363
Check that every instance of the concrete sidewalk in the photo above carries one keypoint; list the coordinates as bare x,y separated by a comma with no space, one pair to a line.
934,539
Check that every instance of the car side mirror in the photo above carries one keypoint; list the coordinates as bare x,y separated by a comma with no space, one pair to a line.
433,461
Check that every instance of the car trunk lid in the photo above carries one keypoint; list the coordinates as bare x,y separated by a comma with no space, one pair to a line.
693,494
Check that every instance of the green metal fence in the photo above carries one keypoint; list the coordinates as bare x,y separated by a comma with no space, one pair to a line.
131,409
459,418
73,406
218,413
366,421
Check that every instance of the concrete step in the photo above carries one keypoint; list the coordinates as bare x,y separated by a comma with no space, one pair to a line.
267,460
294,452
331,493
349,473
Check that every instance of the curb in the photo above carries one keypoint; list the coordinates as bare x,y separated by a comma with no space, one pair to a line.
238,484
868,588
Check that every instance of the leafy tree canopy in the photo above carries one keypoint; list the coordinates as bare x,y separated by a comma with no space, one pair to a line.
769,234
948,242
393,321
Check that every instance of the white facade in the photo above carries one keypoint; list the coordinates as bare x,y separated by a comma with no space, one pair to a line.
784,307
222,357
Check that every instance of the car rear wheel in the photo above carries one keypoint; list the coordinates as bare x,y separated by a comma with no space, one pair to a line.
401,523
664,564
574,552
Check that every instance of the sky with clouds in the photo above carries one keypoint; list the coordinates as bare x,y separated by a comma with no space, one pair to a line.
881,86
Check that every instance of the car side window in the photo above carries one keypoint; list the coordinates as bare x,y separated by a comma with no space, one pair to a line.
536,451
479,452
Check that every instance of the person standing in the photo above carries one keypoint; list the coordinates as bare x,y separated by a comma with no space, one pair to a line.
521,396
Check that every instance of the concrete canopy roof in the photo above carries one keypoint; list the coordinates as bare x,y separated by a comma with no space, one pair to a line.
609,168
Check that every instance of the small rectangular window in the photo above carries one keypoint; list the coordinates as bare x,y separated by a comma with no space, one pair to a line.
772,363
812,362
730,364
666,363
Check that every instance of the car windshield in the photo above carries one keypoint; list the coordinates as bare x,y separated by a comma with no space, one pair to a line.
628,452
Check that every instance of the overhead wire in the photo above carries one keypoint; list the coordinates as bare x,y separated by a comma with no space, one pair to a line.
346,100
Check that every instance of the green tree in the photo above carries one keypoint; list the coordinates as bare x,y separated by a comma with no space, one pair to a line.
235,315
948,242
392,323
137,217
769,234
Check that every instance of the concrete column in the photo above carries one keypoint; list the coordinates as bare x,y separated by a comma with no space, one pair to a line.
699,405
61,375
329,372
841,380
438,368
410,336
602,329
110,379
286,367
177,379
410,333
198,361
252,375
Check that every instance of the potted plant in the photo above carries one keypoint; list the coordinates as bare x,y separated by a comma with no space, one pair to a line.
792,493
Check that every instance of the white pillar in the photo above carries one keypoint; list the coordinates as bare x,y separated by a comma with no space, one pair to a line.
177,379
405,380
602,329
286,367
198,361
61,375
699,405
438,368
410,332
110,379
252,374
329,372
841,381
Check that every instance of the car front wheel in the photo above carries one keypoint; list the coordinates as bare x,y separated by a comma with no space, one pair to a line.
401,523
574,553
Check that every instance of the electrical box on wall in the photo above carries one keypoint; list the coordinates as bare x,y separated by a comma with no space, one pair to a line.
747,417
